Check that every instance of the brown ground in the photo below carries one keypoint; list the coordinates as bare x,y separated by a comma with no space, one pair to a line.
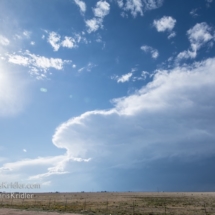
112,203
7,211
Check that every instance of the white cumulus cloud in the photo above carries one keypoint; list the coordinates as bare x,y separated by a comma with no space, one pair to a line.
38,65
68,42
166,23
199,35
93,24
167,117
56,42
101,10
135,6
81,5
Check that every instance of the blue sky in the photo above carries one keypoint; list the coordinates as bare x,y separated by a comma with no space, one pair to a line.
110,95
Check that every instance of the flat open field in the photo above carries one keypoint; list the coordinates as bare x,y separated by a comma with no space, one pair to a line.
111,203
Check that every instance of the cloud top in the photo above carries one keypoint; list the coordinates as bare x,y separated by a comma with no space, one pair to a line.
166,23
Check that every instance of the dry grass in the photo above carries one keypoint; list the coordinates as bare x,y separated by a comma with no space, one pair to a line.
118,203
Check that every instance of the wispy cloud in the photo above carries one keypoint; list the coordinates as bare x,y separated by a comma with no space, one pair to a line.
143,76
87,68
27,34
4,41
81,5
199,35
134,6
49,166
38,65
173,34
148,49
193,12
208,2
123,78
139,6
152,4
101,10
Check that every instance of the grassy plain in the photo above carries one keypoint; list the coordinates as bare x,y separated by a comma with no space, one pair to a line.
101,203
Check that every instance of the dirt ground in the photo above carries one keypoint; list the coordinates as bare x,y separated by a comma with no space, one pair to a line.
103,203
8,211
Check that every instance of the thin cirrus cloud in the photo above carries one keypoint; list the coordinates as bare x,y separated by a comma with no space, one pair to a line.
4,41
27,34
148,49
44,167
101,10
144,75
208,2
199,35
38,65
23,35
136,7
125,77
50,165
87,68
122,79
81,5
194,13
